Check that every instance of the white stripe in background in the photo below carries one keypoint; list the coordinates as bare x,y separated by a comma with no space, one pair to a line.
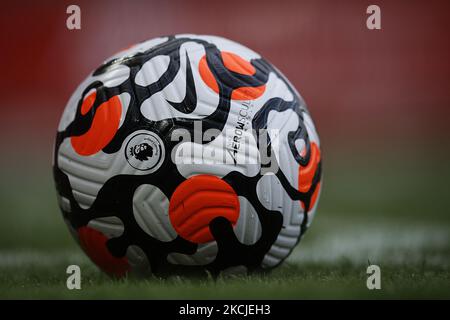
389,244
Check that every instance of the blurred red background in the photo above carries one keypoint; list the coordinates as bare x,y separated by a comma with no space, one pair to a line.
367,89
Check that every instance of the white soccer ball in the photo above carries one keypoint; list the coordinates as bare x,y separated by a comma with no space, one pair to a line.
187,154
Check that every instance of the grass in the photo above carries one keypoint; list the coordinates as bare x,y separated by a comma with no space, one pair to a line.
393,215
341,280
330,263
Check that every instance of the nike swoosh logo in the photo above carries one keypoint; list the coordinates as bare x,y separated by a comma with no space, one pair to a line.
190,99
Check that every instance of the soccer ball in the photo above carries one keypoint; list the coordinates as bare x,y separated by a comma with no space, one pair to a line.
187,154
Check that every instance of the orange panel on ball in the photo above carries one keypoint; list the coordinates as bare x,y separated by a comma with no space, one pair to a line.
236,64
207,75
248,93
306,173
197,201
103,128
93,243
